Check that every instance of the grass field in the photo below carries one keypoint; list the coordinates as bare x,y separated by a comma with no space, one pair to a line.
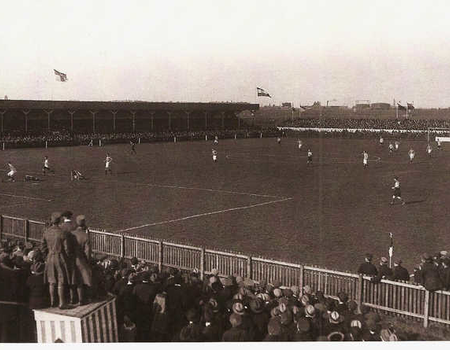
260,198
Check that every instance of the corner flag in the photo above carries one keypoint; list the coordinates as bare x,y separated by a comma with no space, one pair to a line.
391,245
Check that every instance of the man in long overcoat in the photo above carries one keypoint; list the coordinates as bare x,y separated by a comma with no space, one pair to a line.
57,248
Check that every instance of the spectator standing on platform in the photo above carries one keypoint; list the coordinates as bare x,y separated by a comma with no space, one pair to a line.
57,249
82,273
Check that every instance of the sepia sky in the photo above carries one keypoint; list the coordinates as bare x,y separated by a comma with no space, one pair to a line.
195,50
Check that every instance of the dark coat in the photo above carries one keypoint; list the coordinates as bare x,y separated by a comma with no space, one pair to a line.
400,274
57,248
37,292
444,273
236,334
384,272
367,268
80,242
430,277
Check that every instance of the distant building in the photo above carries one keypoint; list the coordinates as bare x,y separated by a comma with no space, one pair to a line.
380,105
286,104
360,106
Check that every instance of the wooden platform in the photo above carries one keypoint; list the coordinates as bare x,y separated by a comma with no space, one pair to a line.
92,323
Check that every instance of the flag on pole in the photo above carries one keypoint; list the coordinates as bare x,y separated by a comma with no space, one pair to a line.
400,107
262,92
60,76
391,245
410,106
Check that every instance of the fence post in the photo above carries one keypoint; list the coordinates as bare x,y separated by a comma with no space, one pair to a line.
27,230
301,277
426,308
160,260
1,227
202,262
249,267
122,246
359,290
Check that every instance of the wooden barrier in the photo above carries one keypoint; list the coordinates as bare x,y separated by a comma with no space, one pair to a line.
396,298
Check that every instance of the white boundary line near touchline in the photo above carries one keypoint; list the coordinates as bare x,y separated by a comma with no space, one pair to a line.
204,214
202,189
25,197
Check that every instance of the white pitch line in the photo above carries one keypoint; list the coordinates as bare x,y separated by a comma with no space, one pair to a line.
26,197
12,205
204,214
203,189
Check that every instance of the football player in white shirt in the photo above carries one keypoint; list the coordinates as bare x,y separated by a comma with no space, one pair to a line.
397,192
214,155
12,171
397,144
411,155
300,144
216,140
391,148
365,159
279,140
429,150
309,159
381,140
108,161
439,144
46,166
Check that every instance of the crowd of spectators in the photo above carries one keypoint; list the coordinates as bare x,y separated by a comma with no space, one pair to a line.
359,123
433,272
15,140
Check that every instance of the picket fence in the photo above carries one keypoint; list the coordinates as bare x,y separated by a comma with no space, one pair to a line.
395,298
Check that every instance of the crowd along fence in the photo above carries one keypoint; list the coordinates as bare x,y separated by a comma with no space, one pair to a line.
395,298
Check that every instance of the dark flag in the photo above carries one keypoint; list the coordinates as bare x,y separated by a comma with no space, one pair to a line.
262,92
60,76
410,106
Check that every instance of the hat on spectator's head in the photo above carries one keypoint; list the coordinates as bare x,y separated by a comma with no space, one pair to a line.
304,300
303,325
369,256
295,290
239,279
256,306
55,218
67,214
227,282
398,261
263,296
443,253
274,326
276,284
288,293
320,307
275,312
356,323
282,308
114,264
335,317
145,276
310,310
81,220
426,257
215,272
307,289
235,320
37,268
192,315
214,305
134,261
249,283
336,336
31,254
352,305
384,260
277,293
238,307
343,297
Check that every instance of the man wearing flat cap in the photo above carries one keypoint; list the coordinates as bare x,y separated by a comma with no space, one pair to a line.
429,274
384,271
81,274
56,247
367,268
400,273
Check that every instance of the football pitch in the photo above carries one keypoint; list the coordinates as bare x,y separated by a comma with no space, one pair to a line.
260,198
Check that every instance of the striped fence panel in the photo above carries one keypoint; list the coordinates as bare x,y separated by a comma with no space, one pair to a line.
270,271
13,227
226,263
107,243
141,248
440,307
181,256
35,230
331,282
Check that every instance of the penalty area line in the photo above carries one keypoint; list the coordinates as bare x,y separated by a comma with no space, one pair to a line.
205,214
